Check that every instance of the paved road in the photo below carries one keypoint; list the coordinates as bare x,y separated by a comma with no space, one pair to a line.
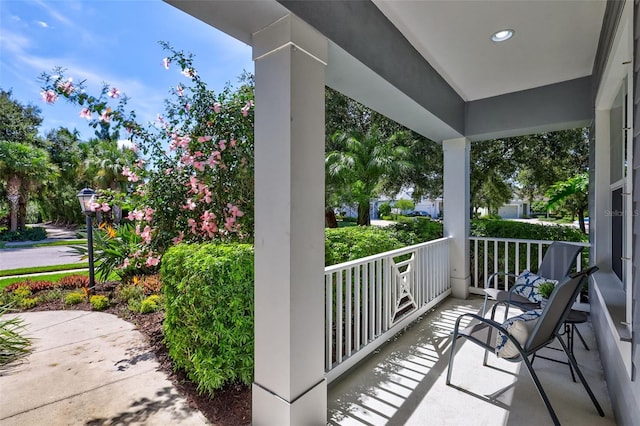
26,257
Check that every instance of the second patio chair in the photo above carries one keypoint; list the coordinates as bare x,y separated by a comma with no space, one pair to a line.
556,265
520,337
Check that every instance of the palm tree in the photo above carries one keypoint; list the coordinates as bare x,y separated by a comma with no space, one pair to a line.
24,168
357,168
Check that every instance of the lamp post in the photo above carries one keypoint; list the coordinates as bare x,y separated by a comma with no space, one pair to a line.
87,198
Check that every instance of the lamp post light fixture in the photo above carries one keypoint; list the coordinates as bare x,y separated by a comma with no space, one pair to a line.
87,198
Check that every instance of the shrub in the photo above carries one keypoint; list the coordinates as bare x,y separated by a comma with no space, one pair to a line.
344,244
152,303
68,282
522,230
151,284
130,292
28,302
384,209
73,281
208,324
22,292
99,302
13,345
35,233
416,230
74,298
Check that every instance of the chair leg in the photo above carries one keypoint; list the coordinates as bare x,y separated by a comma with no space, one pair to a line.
581,338
453,350
541,391
574,363
484,305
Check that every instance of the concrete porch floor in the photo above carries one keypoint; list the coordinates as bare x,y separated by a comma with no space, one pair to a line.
404,382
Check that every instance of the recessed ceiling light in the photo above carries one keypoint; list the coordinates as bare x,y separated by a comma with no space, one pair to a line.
502,35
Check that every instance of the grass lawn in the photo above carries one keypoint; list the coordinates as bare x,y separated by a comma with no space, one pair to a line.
50,244
38,269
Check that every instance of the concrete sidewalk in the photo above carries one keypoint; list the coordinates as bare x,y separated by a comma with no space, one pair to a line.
89,368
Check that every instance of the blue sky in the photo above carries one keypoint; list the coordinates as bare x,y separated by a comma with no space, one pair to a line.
112,41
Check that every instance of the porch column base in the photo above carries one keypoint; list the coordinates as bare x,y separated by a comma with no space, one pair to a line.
308,409
460,287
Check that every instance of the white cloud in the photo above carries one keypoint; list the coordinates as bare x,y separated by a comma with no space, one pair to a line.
55,14
13,42
42,24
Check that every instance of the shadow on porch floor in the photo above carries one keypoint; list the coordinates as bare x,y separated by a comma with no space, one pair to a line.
404,382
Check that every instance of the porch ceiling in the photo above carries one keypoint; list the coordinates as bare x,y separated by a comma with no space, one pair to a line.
431,66
554,41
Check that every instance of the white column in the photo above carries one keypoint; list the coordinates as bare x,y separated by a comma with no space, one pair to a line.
289,386
456,212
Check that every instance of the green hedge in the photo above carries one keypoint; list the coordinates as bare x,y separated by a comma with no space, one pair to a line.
209,312
344,244
417,230
528,231
35,233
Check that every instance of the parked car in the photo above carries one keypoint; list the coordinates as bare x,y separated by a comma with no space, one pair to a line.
417,213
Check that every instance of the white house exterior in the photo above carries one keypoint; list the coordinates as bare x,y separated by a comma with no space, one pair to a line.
431,66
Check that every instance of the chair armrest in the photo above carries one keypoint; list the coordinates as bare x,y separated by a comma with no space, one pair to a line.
489,322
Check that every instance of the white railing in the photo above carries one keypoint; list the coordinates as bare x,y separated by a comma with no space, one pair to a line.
489,255
369,300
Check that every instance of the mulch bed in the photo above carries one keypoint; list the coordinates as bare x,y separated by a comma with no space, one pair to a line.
230,406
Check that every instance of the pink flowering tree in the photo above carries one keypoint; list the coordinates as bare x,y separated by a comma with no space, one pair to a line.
194,177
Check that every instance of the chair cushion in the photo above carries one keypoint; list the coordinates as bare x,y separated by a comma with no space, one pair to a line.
527,286
519,327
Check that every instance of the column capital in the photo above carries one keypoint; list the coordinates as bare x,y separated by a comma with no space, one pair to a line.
290,31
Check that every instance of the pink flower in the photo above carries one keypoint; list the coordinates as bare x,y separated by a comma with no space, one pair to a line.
105,116
159,118
125,264
217,107
165,63
190,205
131,176
152,261
193,182
235,211
222,144
49,96
229,223
179,90
188,72
187,106
204,138
232,143
66,87
192,224
146,234
208,223
179,238
113,93
245,109
85,113
105,207
199,165
94,206
148,212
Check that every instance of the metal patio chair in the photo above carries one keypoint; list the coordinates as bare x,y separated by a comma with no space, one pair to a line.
556,265
546,330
